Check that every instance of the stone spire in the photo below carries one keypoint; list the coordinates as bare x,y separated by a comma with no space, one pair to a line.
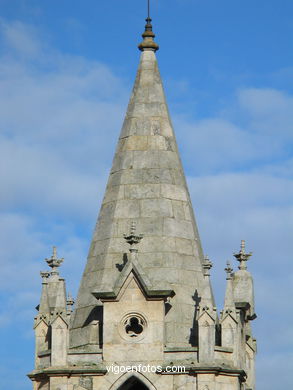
207,298
44,301
53,292
146,186
243,290
229,299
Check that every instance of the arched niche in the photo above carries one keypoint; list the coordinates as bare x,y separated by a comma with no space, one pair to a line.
133,384
133,381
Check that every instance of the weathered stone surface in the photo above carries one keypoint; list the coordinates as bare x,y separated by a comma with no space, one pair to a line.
145,297
147,186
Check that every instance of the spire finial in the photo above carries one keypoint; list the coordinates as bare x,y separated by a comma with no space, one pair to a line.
242,256
70,302
228,270
148,42
132,238
44,276
207,265
54,262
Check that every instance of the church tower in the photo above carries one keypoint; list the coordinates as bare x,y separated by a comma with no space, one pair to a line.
145,316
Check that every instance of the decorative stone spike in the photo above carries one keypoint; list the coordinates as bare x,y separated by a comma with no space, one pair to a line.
207,265
229,270
70,302
44,276
54,262
242,256
132,238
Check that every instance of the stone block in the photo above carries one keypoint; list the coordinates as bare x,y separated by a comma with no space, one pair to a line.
166,128
175,228
104,229
156,208
122,160
168,159
107,211
184,246
175,192
146,159
156,94
127,209
114,178
151,226
157,142
132,176
178,177
156,176
136,142
157,244
139,126
142,191
188,214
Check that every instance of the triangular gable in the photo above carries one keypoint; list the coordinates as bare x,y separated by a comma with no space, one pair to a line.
142,279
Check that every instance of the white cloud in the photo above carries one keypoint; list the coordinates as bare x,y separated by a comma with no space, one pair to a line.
20,37
59,116
58,127
270,111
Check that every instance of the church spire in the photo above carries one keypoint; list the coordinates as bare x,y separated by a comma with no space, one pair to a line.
145,295
148,42
146,186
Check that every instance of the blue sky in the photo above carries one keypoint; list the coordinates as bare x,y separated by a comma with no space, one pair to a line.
66,72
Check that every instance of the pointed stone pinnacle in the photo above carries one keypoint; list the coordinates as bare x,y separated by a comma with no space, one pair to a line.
54,262
132,238
242,256
44,275
70,301
228,270
207,265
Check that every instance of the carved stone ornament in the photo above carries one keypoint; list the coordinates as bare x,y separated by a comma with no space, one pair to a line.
85,382
132,327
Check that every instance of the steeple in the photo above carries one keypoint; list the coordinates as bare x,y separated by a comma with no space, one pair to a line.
145,297
147,186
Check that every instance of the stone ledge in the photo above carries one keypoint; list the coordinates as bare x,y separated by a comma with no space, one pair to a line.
67,371
223,349
181,349
195,369
85,349
44,353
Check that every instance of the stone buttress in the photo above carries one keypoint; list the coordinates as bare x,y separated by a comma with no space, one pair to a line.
145,296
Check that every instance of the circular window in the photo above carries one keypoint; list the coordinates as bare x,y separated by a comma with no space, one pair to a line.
133,327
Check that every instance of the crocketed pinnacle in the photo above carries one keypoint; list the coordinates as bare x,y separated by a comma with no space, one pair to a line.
148,42
242,256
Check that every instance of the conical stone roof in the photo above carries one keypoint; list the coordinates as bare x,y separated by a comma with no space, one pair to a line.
146,186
